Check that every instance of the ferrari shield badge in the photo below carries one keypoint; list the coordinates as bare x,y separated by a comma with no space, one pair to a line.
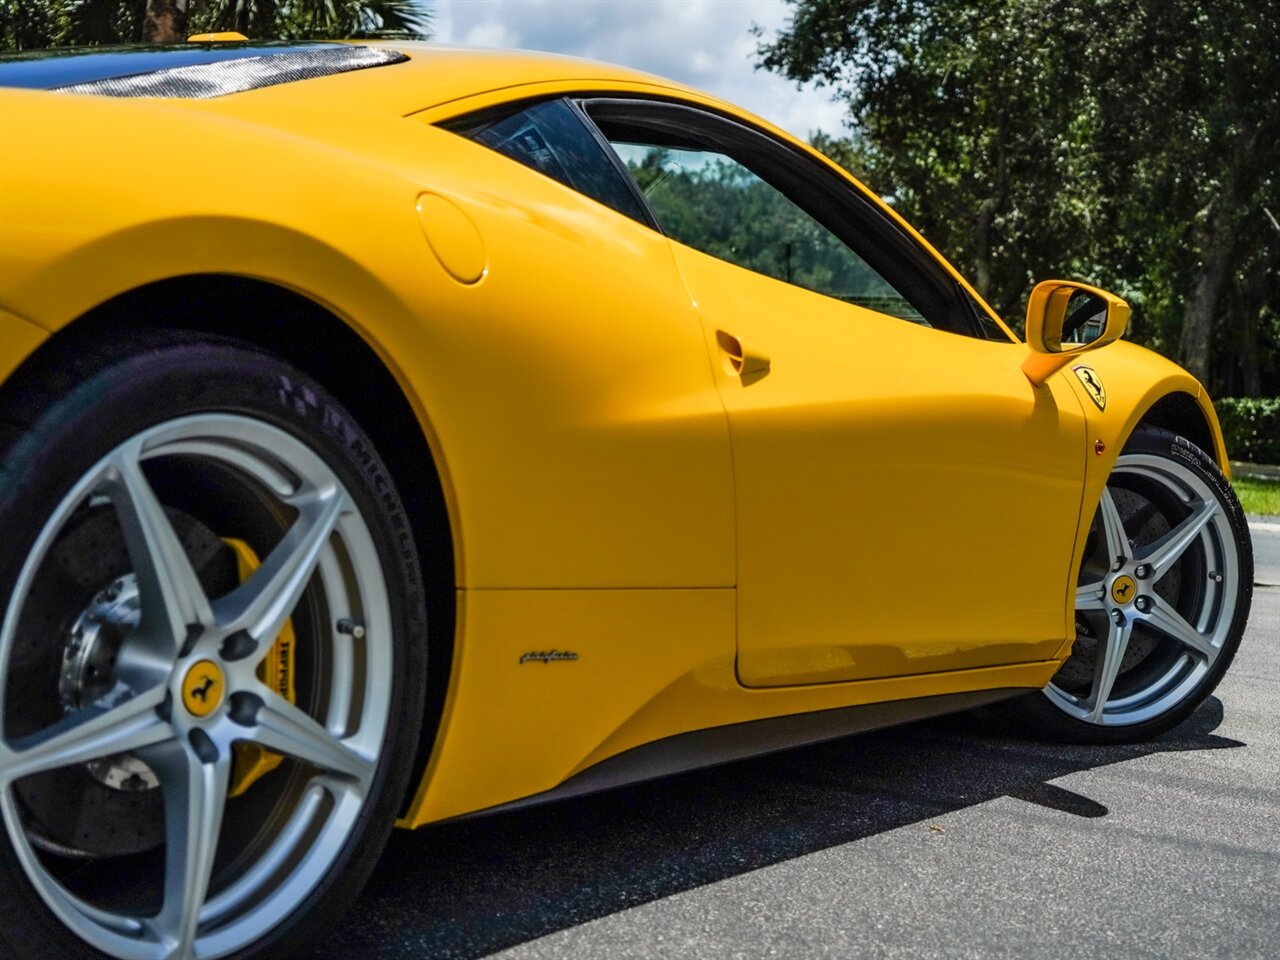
1092,385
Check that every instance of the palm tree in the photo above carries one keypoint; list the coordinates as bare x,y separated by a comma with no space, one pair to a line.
312,19
28,24
165,22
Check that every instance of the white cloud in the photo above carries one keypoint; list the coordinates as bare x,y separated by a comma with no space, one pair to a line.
490,33
704,43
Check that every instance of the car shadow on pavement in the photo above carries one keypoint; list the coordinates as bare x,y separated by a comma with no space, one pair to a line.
471,887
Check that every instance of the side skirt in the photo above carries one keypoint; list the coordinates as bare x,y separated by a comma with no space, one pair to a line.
717,745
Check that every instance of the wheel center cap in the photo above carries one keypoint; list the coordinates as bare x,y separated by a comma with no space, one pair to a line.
203,688
1123,590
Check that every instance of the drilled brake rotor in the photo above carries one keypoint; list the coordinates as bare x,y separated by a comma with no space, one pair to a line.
80,608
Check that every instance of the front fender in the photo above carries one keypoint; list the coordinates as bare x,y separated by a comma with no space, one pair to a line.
1135,381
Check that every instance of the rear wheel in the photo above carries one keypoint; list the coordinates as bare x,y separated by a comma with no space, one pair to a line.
211,657
1162,598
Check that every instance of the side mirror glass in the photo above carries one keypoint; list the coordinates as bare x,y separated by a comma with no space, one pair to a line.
1065,318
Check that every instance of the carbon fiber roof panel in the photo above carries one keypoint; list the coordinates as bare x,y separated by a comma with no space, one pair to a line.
253,69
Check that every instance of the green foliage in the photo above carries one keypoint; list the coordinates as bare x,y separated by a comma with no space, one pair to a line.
33,24
1257,495
718,206
1251,428
25,25
1127,142
312,19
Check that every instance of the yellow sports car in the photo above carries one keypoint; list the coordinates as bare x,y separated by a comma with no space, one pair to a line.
394,432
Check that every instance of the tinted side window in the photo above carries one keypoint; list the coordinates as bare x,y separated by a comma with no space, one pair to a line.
710,201
552,138
759,203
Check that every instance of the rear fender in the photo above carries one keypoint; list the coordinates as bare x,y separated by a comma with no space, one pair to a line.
18,340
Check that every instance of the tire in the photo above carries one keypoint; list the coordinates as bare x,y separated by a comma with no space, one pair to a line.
1162,598
212,657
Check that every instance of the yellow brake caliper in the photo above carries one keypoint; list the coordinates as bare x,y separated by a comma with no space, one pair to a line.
253,762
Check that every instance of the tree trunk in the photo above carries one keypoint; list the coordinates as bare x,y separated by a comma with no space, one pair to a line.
993,205
166,21
1249,297
982,243
1202,311
1247,324
1214,245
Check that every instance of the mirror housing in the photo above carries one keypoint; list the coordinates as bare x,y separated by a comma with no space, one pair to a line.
1064,319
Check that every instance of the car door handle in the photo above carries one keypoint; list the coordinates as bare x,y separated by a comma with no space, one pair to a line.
746,363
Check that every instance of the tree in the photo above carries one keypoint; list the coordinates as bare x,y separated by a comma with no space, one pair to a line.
313,19
165,22
937,95
31,24
1130,142
1189,97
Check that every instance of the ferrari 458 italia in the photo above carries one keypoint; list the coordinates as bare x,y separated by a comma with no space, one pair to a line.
394,432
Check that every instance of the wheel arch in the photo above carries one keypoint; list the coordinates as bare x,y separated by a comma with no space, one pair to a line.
270,317
1191,416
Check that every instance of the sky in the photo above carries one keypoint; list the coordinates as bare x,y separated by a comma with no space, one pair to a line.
703,43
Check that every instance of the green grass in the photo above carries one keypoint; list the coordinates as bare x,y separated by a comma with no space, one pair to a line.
1258,496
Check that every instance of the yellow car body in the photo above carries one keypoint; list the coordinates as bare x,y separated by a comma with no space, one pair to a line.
709,551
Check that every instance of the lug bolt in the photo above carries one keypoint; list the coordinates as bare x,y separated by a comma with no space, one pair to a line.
1143,604
1117,618
134,784
1143,571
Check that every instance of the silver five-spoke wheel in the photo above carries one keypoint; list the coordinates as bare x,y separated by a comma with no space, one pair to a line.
1160,593
200,668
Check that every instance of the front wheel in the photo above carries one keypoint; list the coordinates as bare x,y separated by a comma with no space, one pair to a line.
211,654
1162,597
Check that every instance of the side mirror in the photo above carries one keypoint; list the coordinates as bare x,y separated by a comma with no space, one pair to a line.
1065,318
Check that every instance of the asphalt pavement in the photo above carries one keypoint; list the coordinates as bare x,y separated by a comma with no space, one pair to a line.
948,838
1266,550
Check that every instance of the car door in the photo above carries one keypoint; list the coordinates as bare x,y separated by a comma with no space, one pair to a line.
589,446
906,501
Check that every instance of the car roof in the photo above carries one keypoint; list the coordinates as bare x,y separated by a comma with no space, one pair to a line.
436,74
426,75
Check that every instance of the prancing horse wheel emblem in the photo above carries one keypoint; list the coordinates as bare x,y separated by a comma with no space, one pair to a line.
202,688
1123,590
